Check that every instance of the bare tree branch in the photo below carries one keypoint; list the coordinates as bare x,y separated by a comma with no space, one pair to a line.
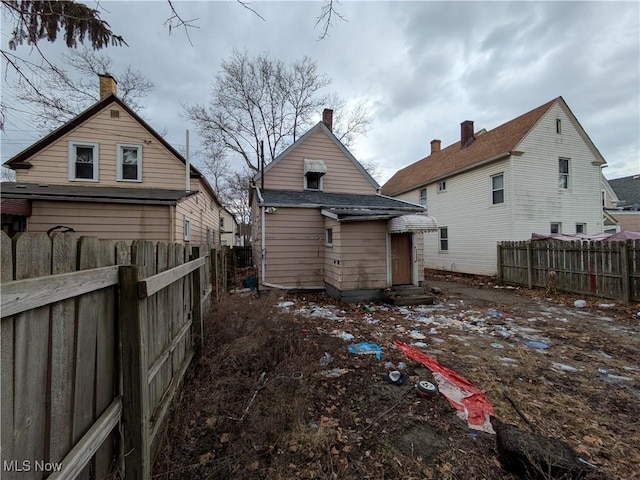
176,21
327,16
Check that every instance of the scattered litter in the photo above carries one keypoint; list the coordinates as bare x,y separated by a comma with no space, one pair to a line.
426,389
606,305
438,340
419,344
416,335
395,377
508,360
536,344
334,373
618,378
402,365
563,367
472,435
603,371
465,397
326,359
285,305
494,313
367,309
371,321
365,348
497,345
579,304
343,335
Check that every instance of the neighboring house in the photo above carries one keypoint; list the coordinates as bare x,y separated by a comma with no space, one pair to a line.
624,205
538,173
609,202
228,228
319,223
108,173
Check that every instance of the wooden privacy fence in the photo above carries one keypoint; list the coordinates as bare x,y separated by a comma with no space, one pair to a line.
96,338
603,269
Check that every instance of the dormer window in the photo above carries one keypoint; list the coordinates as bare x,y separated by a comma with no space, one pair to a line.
314,171
83,161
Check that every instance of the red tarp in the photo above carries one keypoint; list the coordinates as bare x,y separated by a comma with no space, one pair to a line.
465,397
626,235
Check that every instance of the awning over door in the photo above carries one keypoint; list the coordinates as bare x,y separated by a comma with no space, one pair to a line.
314,166
412,224
14,206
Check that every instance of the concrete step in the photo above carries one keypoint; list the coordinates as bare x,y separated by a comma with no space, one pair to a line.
402,300
405,290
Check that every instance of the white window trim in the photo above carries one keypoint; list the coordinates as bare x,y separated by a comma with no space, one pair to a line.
187,229
568,174
584,227
422,200
119,164
559,228
440,250
320,184
328,243
442,183
504,191
71,170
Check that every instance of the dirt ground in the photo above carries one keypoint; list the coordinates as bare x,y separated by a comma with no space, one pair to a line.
260,403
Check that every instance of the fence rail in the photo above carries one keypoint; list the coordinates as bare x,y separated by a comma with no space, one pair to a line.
95,334
603,269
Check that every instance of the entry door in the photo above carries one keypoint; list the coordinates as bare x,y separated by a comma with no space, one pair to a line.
401,258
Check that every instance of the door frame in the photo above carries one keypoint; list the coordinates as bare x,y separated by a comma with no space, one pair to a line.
414,260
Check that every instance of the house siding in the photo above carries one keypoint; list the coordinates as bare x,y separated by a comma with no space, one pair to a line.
295,257
342,175
629,221
199,209
538,200
103,220
50,165
332,255
363,250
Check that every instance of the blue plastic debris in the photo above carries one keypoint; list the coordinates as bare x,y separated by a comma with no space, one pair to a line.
365,348
536,344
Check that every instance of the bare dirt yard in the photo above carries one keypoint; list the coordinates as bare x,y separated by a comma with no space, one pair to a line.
260,403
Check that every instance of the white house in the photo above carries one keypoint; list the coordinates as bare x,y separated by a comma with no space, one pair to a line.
539,172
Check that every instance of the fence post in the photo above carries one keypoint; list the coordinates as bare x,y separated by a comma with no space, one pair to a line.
624,270
135,395
499,263
197,304
529,265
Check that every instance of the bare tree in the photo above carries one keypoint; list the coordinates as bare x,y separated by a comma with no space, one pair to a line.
72,89
260,98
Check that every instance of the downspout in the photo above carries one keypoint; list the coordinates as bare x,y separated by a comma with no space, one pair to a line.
263,250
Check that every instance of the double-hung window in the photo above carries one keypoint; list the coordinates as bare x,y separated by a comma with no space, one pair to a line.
423,197
187,229
497,189
83,161
563,173
129,167
444,239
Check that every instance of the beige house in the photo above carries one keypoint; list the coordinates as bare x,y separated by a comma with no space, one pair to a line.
319,222
621,201
108,173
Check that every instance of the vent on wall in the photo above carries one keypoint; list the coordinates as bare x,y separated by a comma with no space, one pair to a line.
115,113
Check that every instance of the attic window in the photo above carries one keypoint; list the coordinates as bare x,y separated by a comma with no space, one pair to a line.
115,113
558,125
314,170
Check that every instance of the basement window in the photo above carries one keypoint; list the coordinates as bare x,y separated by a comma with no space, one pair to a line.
556,227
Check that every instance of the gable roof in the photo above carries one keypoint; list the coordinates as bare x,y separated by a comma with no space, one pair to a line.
20,161
489,146
627,189
320,126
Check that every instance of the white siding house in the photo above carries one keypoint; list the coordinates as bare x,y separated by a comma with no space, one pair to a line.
534,174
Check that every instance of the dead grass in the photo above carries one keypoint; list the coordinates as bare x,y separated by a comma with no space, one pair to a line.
303,425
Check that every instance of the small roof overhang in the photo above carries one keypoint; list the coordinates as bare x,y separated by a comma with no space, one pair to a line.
14,206
314,166
412,224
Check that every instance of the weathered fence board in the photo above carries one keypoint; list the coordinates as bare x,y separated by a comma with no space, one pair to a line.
604,269
6,360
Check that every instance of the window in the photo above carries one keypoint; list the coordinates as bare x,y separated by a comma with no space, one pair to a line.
423,197
313,181
556,227
497,189
563,169
442,186
187,229
581,228
328,237
221,223
83,161
558,125
129,168
444,239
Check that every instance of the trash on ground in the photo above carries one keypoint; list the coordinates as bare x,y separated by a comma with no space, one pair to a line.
564,367
579,304
419,344
536,344
416,335
334,373
465,397
508,360
285,305
326,359
606,305
394,377
426,389
497,345
343,335
494,313
368,308
365,348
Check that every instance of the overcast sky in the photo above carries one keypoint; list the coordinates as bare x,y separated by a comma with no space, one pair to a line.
422,67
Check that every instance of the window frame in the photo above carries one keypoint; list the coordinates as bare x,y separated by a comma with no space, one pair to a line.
320,181
328,237
120,162
442,186
495,190
583,227
566,175
186,229
422,199
442,239
72,161
558,125
558,228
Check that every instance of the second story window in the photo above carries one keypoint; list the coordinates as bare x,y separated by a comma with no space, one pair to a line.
83,161
563,172
442,186
423,197
129,168
314,171
497,189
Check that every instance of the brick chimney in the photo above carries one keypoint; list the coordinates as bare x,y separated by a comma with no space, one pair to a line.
108,85
466,133
435,146
327,118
